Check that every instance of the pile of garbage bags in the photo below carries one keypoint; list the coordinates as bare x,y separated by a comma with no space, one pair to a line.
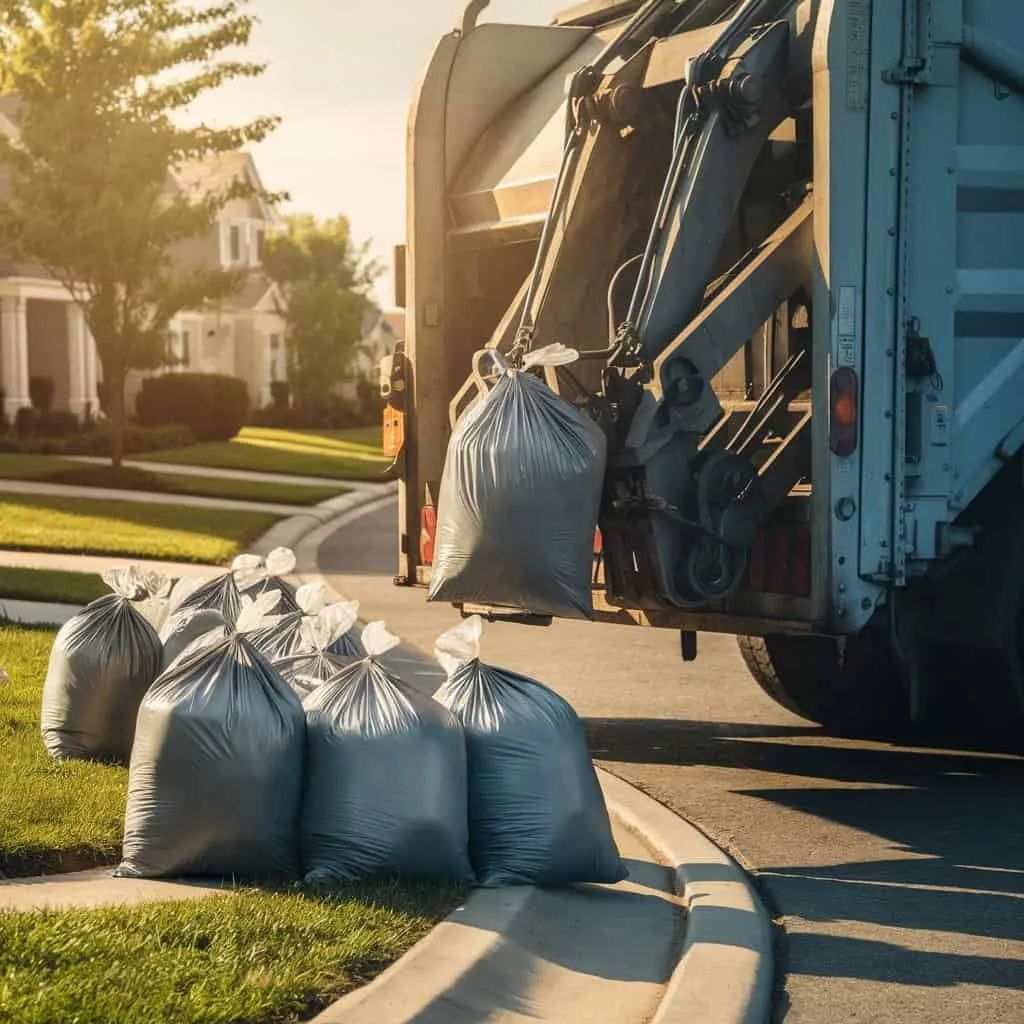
520,494
257,751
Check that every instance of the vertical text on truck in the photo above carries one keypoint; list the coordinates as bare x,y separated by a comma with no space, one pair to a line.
787,238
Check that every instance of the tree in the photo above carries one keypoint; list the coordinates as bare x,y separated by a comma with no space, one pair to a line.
103,85
325,279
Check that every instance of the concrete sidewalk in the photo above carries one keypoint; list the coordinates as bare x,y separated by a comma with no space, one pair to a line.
95,888
69,562
251,475
37,488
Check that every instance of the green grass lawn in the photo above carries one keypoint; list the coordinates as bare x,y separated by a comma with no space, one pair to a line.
55,470
53,815
127,528
262,957
245,956
50,585
340,455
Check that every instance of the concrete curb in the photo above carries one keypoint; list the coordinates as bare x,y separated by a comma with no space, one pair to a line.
725,972
436,964
293,531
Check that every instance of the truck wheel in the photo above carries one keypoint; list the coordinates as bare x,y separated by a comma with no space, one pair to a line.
860,692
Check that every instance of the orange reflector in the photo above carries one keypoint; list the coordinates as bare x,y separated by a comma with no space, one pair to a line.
843,406
394,431
428,531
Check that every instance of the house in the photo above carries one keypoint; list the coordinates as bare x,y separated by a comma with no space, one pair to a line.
43,332
381,331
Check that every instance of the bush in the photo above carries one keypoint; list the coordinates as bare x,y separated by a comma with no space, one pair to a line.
137,440
213,405
24,422
280,393
56,424
41,391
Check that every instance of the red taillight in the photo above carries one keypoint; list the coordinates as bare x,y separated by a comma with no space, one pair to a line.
428,531
597,542
780,561
844,400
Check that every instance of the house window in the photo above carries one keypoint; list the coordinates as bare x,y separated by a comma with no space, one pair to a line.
261,242
235,243
184,348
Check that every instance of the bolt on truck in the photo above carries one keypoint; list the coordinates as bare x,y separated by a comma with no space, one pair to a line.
787,239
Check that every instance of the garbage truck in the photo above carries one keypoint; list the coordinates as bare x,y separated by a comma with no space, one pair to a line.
786,238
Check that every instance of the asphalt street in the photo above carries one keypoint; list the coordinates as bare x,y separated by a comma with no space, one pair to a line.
895,873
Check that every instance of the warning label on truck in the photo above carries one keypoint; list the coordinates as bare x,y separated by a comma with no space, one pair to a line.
858,28
846,326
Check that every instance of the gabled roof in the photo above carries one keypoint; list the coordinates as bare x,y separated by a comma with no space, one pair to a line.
252,294
217,172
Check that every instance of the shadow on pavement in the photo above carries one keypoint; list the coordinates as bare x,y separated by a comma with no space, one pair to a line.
952,857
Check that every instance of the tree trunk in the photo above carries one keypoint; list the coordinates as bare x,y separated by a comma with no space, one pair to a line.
115,397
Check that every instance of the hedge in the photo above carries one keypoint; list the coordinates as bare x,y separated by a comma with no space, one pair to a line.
96,441
213,405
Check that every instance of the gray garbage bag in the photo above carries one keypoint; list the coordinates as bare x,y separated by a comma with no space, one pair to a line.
154,604
536,812
519,499
216,774
185,627
101,664
385,786
269,575
317,663
285,635
219,593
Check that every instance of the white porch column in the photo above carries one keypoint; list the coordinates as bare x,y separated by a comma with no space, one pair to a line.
78,358
92,373
14,348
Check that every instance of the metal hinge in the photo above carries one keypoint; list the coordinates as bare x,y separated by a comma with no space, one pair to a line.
916,71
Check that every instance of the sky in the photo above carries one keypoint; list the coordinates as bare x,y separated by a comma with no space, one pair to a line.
341,74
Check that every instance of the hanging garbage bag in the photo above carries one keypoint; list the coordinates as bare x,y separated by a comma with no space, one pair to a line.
519,497
317,662
101,664
216,773
385,790
269,575
185,627
536,812
284,636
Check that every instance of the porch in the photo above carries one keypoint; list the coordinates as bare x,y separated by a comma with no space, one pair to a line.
43,334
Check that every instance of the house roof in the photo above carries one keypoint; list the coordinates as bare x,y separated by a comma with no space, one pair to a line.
252,293
396,320
215,173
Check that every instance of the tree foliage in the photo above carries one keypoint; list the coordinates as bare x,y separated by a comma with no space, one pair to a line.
103,87
325,279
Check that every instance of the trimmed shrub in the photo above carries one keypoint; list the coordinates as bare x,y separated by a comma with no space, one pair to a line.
57,424
137,440
41,391
214,406
280,393
24,422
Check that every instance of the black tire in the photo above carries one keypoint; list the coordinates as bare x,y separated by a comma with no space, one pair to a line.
861,693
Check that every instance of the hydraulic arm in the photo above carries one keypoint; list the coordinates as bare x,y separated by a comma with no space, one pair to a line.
681,507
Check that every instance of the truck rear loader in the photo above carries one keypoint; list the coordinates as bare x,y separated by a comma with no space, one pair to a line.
787,239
